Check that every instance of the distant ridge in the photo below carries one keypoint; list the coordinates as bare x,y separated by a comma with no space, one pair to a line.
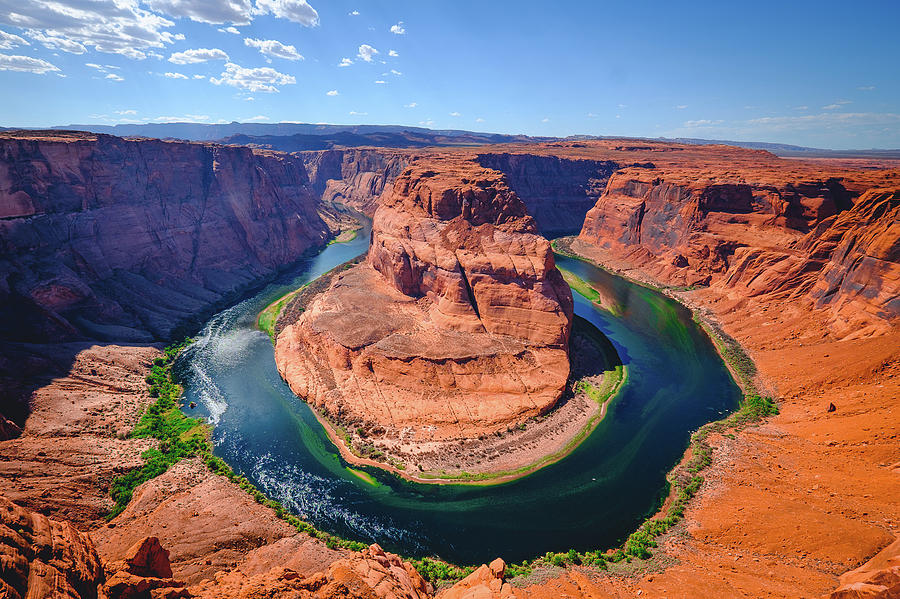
317,136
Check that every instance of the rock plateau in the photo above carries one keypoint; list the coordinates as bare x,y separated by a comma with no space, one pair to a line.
457,324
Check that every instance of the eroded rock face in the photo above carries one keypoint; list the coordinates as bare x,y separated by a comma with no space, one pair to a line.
43,558
354,178
456,325
802,240
558,192
370,574
109,238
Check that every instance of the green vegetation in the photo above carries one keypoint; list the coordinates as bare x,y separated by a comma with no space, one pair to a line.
345,237
269,316
179,436
740,364
436,571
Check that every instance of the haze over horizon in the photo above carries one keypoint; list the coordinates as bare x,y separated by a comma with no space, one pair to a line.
812,74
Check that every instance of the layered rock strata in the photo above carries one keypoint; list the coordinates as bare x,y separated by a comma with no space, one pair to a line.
354,178
110,238
456,325
557,192
807,240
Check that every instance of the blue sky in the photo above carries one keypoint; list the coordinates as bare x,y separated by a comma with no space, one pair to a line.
824,74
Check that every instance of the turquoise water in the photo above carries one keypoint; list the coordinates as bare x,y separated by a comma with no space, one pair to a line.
592,499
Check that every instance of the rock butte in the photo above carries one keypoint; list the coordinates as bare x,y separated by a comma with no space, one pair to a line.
804,505
456,325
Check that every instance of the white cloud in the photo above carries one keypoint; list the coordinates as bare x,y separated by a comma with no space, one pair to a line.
232,30
221,11
702,123
198,55
354,113
427,123
114,77
112,26
591,115
345,62
181,119
681,107
454,114
25,64
263,79
176,76
393,53
396,73
828,120
545,120
411,105
836,105
381,82
398,29
801,107
126,112
56,43
354,13
862,88
333,92
199,76
274,48
249,99
626,106
259,117
367,53
479,120
298,11
9,41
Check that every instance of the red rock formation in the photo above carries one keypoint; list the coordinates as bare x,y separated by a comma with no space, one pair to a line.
144,571
42,558
752,239
122,239
370,574
557,192
457,324
354,178
878,578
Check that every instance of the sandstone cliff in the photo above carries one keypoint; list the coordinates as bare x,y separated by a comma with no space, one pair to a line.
111,238
456,325
557,192
354,178
794,239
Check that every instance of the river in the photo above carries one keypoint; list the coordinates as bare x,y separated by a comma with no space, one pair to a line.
591,499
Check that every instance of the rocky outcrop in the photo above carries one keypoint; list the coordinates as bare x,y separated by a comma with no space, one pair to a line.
456,325
110,238
42,558
371,574
800,240
485,582
354,178
879,578
143,572
557,192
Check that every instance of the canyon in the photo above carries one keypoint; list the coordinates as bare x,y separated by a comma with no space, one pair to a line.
111,244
